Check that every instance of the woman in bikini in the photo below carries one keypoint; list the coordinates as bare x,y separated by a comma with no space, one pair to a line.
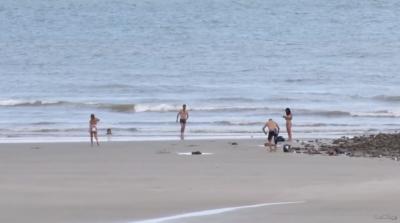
93,129
288,117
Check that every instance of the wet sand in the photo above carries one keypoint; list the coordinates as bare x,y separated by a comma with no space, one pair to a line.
135,181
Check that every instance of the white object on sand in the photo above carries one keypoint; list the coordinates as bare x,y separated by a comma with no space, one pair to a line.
213,212
190,154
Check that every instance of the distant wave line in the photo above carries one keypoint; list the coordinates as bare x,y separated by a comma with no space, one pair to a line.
163,107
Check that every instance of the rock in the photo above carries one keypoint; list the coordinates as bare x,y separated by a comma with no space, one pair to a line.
309,146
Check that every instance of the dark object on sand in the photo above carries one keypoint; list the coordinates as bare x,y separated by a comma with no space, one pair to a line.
280,139
234,143
335,152
196,153
287,148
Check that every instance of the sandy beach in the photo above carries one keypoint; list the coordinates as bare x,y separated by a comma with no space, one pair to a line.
137,181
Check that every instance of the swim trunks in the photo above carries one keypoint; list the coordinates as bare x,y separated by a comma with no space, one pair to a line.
272,134
183,121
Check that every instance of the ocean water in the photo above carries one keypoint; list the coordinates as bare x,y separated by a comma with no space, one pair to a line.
235,63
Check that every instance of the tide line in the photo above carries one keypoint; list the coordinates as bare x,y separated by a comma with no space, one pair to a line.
213,212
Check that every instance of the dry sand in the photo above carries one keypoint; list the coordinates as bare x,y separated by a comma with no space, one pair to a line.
131,181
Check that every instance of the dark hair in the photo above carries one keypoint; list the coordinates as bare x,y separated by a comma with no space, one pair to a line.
288,112
92,116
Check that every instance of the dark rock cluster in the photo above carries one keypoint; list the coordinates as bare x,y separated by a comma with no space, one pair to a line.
380,145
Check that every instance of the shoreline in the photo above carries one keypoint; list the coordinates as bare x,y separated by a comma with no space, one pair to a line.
104,139
380,145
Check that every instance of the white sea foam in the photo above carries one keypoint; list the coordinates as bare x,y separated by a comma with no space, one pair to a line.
157,108
16,102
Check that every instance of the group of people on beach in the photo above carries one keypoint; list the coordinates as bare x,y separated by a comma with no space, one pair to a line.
183,116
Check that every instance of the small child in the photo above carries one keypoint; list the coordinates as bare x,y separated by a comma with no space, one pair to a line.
109,134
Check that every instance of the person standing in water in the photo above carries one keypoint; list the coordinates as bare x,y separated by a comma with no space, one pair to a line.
183,116
273,131
93,129
288,117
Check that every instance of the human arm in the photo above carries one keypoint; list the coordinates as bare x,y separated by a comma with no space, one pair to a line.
177,116
263,129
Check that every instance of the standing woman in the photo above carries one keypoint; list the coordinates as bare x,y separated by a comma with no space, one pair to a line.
288,117
93,129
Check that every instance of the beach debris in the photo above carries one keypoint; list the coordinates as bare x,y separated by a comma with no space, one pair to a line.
35,147
296,149
196,153
386,217
163,151
234,143
287,148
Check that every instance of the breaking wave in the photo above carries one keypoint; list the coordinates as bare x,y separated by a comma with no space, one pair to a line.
21,103
163,107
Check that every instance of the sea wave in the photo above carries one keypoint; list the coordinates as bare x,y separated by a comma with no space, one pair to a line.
230,123
20,103
296,80
377,114
231,99
387,98
65,130
165,107
117,107
326,125
333,113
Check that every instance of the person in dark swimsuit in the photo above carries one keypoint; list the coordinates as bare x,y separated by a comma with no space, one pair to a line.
273,131
183,116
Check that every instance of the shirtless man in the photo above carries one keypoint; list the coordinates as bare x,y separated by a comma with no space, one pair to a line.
273,131
184,116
